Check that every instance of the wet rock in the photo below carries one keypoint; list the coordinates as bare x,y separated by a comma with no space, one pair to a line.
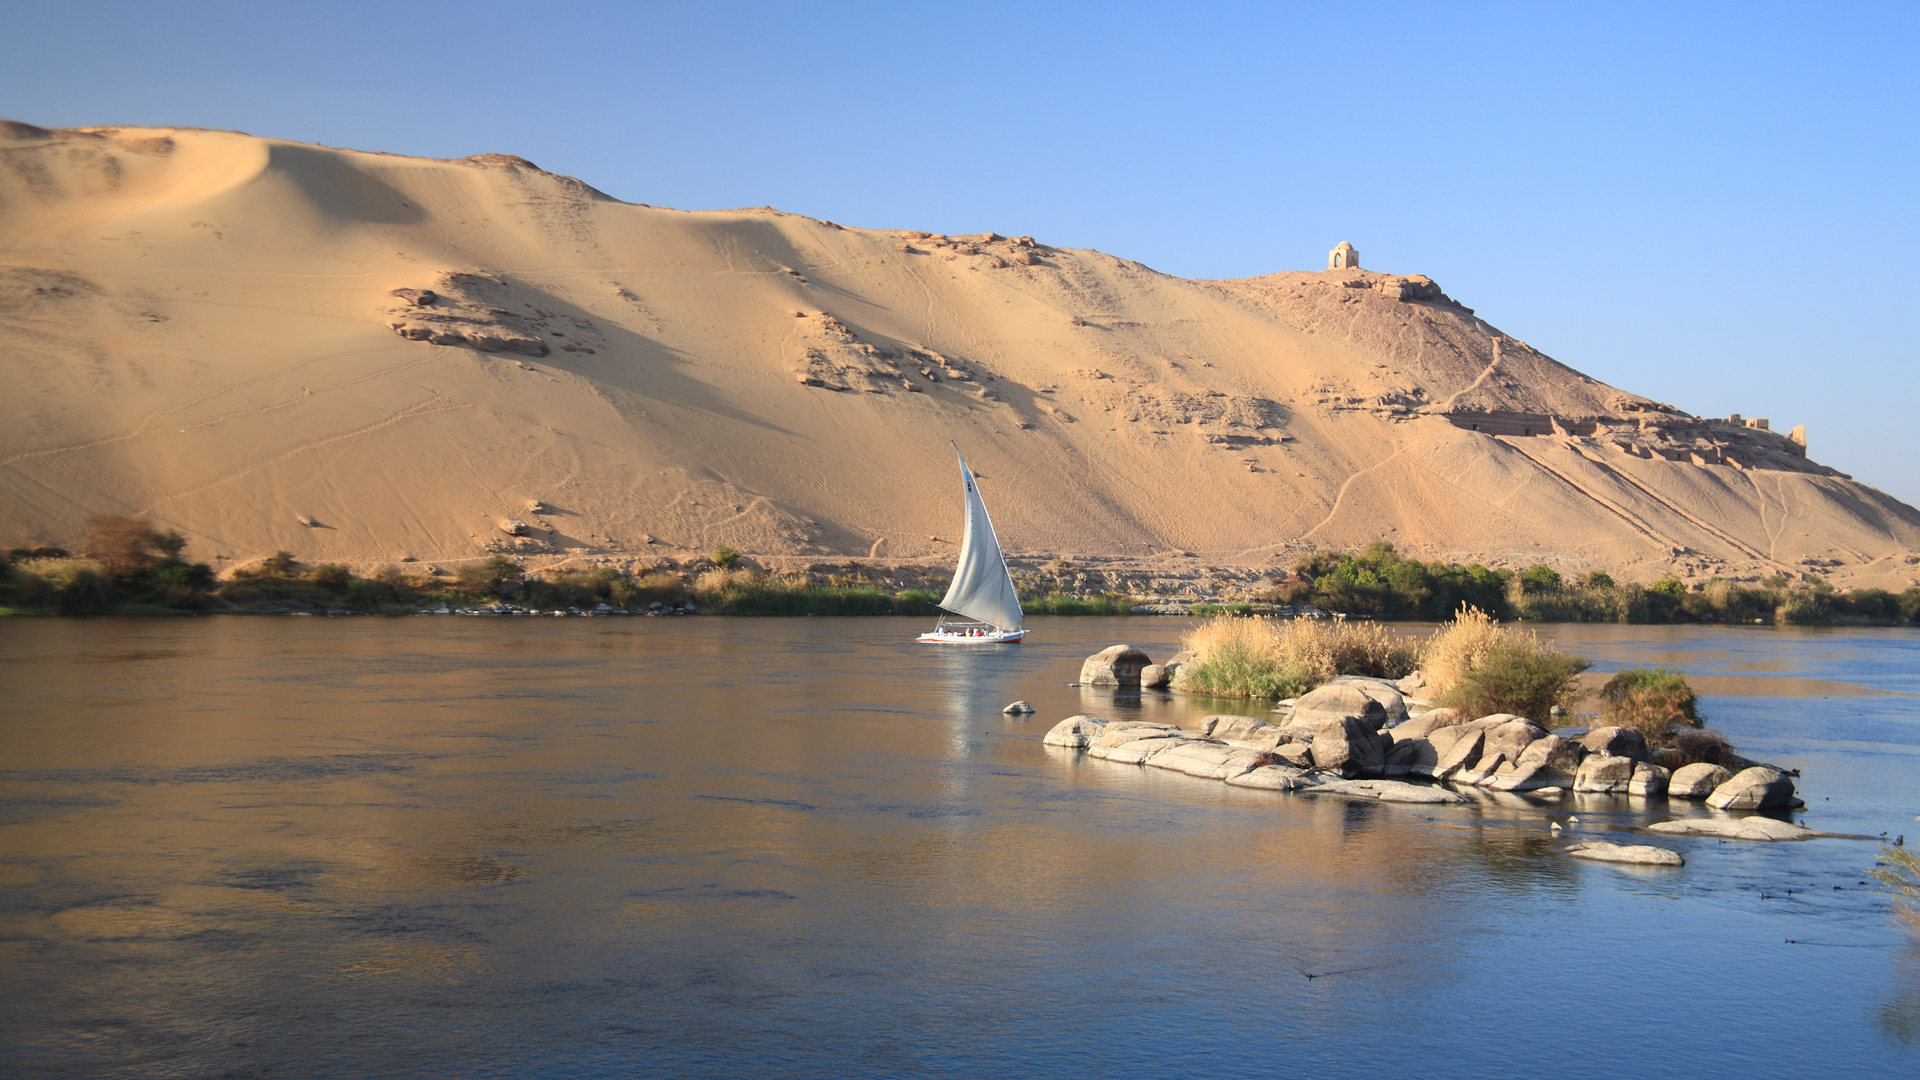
1616,741
1637,854
1018,708
1348,746
1156,676
1391,791
1271,778
1601,774
1076,732
1116,665
1648,779
1697,781
1757,828
1334,702
1758,788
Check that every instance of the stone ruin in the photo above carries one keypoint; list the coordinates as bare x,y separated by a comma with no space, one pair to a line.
1344,257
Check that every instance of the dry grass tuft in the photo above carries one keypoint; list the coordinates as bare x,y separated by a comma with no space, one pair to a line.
1276,658
1480,667
1899,874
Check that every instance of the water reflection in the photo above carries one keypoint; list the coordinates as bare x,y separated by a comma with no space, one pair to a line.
692,847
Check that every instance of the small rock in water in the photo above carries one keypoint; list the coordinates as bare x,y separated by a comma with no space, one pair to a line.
1642,854
1018,708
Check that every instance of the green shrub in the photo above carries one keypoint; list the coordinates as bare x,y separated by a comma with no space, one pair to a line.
498,576
1652,701
331,577
63,586
725,558
1517,676
1061,604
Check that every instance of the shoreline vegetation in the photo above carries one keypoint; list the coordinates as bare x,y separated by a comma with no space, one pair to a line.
126,566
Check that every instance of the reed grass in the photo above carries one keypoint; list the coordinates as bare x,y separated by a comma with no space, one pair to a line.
1279,658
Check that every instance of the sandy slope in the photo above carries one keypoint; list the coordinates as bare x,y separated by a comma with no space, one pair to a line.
203,327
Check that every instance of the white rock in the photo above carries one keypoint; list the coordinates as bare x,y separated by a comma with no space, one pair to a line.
1638,854
1758,788
1648,779
1018,708
1391,791
1206,759
1076,731
1270,778
1696,781
1741,828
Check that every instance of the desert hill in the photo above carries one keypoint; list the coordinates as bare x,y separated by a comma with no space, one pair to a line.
365,358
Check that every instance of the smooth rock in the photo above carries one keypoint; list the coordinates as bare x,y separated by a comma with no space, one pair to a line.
1347,746
1758,828
1522,778
1758,788
1427,723
1116,665
1513,737
1487,766
1270,778
1638,854
1603,775
1557,758
1018,708
1391,791
1616,741
1134,752
1334,702
1383,691
1494,720
1405,753
1208,760
1648,779
1243,731
1299,754
1415,683
1156,676
1076,731
1466,748
1697,781
1120,734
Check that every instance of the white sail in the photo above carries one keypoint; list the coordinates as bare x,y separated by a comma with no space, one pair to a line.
982,588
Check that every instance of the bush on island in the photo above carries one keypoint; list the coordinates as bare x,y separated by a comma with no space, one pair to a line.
1480,667
1276,658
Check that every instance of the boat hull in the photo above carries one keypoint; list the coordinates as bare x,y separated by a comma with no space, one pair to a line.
995,637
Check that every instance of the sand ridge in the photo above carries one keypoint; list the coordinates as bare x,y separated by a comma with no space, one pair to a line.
226,333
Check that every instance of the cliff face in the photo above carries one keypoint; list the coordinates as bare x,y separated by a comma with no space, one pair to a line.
236,335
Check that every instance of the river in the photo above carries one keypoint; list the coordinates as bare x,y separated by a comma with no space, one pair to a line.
434,847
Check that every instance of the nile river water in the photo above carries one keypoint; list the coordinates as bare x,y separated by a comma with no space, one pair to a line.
458,847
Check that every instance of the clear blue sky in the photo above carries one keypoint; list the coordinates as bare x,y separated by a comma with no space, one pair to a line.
1709,204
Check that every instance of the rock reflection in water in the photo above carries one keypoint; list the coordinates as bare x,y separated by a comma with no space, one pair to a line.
778,847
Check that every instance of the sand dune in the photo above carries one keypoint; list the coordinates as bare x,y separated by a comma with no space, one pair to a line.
232,335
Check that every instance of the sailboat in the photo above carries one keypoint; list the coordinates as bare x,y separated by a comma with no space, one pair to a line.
982,592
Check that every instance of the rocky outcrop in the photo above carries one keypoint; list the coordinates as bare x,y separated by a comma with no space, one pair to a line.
1018,708
1758,788
1696,781
1514,736
1076,732
1272,778
1616,741
1156,676
1243,731
1349,747
1557,759
1390,791
1427,723
1334,702
1384,691
1463,751
1116,665
1602,774
1763,829
1637,854
1648,779
1480,771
